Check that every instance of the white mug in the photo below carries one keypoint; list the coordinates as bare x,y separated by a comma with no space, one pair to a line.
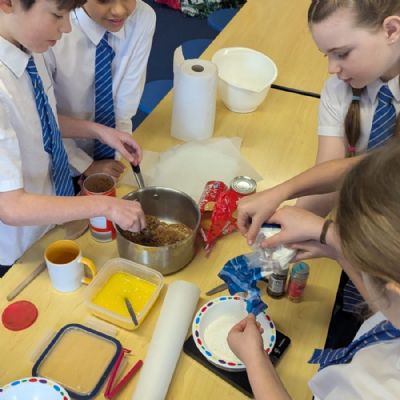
65,265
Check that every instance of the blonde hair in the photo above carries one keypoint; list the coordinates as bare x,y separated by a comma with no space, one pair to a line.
369,14
368,214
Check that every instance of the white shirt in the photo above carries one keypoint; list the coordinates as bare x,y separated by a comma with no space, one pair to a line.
335,100
24,164
373,373
72,62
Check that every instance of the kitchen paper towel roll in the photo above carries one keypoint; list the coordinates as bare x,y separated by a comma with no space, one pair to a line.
167,341
193,110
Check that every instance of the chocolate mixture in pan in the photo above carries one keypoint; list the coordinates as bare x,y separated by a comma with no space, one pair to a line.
158,233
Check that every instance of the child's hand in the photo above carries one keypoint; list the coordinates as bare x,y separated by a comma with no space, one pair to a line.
127,214
297,225
301,230
314,249
254,210
245,339
121,141
113,168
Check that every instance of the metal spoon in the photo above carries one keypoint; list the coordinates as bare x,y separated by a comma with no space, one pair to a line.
138,175
131,311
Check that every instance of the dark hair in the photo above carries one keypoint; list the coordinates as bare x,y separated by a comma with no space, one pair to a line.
368,214
369,14
61,4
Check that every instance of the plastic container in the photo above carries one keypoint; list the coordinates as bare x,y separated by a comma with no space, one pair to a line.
78,358
111,269
244,77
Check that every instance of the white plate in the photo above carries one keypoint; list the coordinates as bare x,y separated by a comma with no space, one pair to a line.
229,310
33,388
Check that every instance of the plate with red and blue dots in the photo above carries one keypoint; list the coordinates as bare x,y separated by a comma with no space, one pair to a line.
33,388
211,326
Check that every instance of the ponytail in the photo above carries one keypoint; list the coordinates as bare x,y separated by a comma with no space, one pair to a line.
352,125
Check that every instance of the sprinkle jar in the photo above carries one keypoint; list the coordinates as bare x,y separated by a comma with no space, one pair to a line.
297,281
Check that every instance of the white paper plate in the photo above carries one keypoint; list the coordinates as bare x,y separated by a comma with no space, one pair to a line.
33,388
232,309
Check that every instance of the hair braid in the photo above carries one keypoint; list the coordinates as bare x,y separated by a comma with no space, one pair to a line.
352,124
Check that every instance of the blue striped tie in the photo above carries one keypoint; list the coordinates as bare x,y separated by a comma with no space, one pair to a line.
353,302
384,119
104,108
52,141
384,331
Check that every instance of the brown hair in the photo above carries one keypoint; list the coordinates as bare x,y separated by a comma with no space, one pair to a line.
368,214
61,4
369,14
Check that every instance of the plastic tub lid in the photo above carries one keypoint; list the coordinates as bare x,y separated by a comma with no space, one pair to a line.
78,358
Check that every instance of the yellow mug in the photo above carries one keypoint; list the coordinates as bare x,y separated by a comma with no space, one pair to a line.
65,265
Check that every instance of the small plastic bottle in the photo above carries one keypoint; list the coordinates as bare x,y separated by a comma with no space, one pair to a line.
297,281
277,282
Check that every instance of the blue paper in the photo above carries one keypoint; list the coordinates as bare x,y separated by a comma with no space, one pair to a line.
241,277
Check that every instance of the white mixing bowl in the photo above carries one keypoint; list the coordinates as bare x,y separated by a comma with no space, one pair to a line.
211,326
244,77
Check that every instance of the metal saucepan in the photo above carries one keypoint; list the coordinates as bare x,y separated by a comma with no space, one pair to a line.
170,206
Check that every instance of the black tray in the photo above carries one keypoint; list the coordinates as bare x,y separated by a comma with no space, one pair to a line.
237,379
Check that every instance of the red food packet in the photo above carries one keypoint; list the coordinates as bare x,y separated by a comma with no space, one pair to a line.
217,208
223,218
207,202
210,194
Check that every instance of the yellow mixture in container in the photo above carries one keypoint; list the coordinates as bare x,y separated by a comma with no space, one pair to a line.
121,285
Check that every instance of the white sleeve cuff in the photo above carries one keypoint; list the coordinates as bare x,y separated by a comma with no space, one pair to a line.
78,159
124,125
330,131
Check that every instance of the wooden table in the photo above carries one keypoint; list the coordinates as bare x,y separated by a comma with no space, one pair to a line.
279,29
279,141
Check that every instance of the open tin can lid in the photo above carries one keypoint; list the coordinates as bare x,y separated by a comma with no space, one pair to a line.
243,185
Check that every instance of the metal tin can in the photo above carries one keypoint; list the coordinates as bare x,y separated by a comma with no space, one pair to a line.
297,281
243,185
277,283
101,228
239,187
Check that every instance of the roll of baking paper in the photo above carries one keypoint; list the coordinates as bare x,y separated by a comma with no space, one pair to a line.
194,98
167,341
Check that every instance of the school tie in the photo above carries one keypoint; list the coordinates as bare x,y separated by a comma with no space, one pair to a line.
104,104
384,331
52,141
384,119
352,300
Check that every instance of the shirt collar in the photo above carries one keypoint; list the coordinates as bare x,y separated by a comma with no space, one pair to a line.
394,86
13,58
92,29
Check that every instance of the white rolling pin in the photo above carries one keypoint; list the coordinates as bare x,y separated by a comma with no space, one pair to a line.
167,341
